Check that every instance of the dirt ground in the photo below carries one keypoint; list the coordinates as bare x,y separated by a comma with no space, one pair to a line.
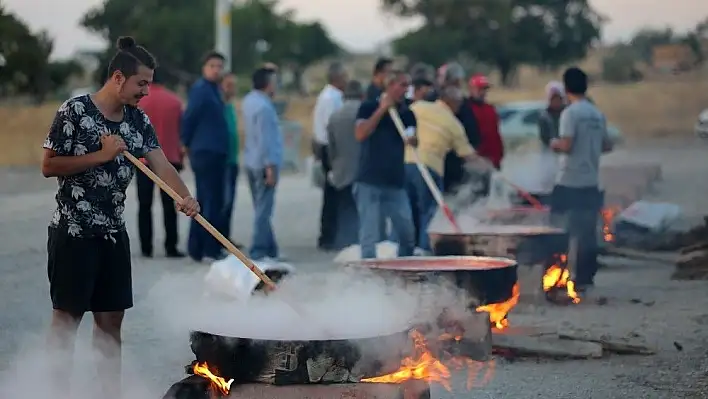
642,301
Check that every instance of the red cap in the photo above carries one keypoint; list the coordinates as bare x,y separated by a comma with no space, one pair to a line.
479,81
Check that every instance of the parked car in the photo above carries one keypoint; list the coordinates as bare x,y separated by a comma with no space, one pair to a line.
702,125
518,122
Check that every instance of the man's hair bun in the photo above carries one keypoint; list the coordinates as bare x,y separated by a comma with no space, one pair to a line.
125,42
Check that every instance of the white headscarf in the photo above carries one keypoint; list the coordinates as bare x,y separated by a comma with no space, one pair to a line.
554,88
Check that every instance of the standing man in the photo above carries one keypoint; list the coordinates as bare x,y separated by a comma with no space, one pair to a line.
491,145
344,159
228,86
205,134
439,132
576,198
381,70
88,261
263,155
453,75
379,188
164,109
328,102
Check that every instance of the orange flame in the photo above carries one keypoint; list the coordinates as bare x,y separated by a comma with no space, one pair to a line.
425,367
608,215
499,311
223,386
559,277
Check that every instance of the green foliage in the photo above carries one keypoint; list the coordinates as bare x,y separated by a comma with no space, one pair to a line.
619,67
646,39
500,33
180,32
28,69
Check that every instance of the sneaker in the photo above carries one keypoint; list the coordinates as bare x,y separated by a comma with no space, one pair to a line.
421,252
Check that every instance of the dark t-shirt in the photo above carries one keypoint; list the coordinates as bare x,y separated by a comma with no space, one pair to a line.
91,203
373,92
381,155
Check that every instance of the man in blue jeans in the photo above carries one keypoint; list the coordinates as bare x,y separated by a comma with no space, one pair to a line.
379,186
263,153
576,198
205,135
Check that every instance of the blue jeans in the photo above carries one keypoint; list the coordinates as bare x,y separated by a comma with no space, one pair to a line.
231,183
263,244
374,204
422,200
209,169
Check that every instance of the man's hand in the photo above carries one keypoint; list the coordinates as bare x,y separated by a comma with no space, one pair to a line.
478,164
189,206
111,146
386,102
270,179
412,141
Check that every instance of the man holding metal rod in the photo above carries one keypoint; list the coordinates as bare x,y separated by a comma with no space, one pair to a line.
379,186
439,132
89,261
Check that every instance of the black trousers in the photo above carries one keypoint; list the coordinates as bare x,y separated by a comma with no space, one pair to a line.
146,193
328,215
577,209
89,274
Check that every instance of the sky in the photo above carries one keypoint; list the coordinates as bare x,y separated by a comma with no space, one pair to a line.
359,25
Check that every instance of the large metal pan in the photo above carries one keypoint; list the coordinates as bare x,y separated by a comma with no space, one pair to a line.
288,362
486,279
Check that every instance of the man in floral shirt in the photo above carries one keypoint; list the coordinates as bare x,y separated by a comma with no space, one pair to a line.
89,264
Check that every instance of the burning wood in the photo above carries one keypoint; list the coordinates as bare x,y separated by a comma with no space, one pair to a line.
424,366
218,385
557,280
498,311
608,216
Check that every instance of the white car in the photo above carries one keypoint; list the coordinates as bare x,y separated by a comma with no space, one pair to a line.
518,123
702,125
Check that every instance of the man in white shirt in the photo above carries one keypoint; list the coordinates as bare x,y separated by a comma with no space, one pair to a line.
330,99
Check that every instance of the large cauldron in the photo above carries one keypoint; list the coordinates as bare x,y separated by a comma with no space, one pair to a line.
486,279
289,362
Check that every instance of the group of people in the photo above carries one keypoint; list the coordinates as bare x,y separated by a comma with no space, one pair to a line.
207,130
371,164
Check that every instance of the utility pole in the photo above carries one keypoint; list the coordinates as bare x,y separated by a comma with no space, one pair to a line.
223,29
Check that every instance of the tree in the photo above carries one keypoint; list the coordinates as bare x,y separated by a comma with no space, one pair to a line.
27,67
503,33
646,39
180,32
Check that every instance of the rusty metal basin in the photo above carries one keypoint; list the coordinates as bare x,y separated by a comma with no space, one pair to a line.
486,279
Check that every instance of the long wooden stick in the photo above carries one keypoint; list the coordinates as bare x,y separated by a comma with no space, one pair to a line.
205,223
437,195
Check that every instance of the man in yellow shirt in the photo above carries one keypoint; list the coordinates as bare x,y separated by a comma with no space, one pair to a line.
439,132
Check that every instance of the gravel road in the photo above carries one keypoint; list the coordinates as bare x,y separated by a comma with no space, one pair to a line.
641,300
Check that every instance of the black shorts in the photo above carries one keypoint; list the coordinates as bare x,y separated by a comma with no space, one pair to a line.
89,274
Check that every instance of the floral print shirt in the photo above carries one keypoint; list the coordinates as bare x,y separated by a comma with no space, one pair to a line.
91,203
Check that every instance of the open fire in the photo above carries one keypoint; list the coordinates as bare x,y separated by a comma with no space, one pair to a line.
498,311
557,282
608,215
424,366
218,385
421,366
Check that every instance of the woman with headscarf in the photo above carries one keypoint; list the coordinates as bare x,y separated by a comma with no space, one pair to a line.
548,122
548,126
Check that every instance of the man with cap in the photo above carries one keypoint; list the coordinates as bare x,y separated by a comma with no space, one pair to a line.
491,145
